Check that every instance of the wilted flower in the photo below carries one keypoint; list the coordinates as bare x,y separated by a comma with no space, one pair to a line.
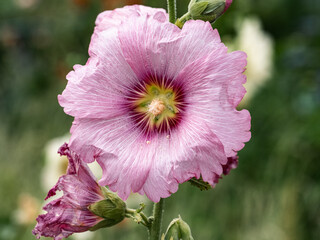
155,105
56,165
70,213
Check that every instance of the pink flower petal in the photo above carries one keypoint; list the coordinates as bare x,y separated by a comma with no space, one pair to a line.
96,89
114,18
214,84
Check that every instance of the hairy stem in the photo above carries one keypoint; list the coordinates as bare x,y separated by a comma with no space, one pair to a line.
155,230
172,11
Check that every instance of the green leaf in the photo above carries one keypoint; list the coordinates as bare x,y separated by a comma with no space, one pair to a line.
199,183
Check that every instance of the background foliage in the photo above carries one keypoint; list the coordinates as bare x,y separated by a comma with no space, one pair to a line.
274,194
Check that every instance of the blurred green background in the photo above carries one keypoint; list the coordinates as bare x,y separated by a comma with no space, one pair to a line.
274,194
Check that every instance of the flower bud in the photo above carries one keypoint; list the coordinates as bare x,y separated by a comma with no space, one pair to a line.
112,209
208,10
178,230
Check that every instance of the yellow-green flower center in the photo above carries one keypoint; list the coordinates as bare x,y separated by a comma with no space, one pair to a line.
158,104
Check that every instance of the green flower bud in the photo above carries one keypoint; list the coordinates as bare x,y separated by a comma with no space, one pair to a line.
178,230
206,10
112,209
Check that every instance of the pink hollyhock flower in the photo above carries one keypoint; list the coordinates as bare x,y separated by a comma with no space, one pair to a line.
155,105
70,213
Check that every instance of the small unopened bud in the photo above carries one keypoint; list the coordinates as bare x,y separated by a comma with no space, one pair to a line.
178,230
112,209
206,10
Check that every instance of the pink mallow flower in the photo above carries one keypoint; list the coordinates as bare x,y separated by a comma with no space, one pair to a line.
70,213
155,105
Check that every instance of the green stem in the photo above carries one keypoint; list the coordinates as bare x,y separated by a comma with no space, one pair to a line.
181,21
145,220
172,10
155,230
138,216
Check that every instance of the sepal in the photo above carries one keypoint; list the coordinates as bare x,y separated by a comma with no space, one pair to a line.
199,183
112,209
